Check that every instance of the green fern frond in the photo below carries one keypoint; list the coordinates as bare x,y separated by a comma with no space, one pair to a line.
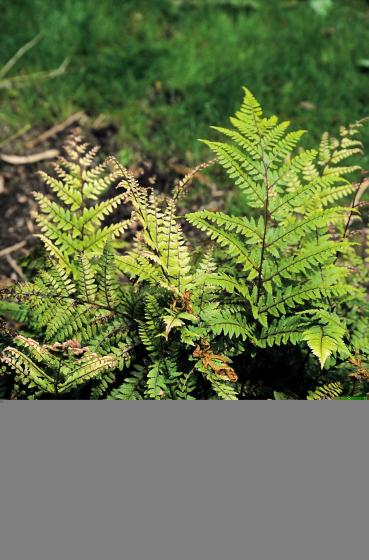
331,391
284,257
224,390
72,223
324,340
282,331
232,325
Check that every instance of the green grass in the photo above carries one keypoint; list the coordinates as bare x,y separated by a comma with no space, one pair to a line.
165,70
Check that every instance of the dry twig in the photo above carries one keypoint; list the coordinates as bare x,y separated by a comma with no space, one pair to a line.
17,269
76,117
12,248
31,158
23,80
20,52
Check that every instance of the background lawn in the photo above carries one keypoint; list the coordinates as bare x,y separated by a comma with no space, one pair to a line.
164,70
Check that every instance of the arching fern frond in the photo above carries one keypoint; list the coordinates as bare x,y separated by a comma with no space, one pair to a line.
331,391
285,258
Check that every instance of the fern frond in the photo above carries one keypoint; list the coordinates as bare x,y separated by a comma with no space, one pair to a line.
59,256
284,257
327,392
72,223
292,296
89,367
27,370
325,339
131,388
108,281
227,323
223,389
282,331
156,384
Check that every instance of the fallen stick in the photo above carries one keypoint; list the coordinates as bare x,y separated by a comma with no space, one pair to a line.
16,134
32,158
12,248
25,79
15,267
76,117
20,52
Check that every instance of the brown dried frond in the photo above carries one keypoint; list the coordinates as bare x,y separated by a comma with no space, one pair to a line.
182,302
361,372
218,363
72,345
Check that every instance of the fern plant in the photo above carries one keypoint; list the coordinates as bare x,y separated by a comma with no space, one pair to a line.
147,304
286,265
129,310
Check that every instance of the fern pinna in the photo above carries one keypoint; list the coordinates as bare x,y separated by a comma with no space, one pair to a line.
288,267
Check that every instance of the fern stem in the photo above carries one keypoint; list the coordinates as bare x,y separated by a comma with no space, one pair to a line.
266,215
352,207
72,300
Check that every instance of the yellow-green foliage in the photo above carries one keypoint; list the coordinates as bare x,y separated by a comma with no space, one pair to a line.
288,267
154,320
149,303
